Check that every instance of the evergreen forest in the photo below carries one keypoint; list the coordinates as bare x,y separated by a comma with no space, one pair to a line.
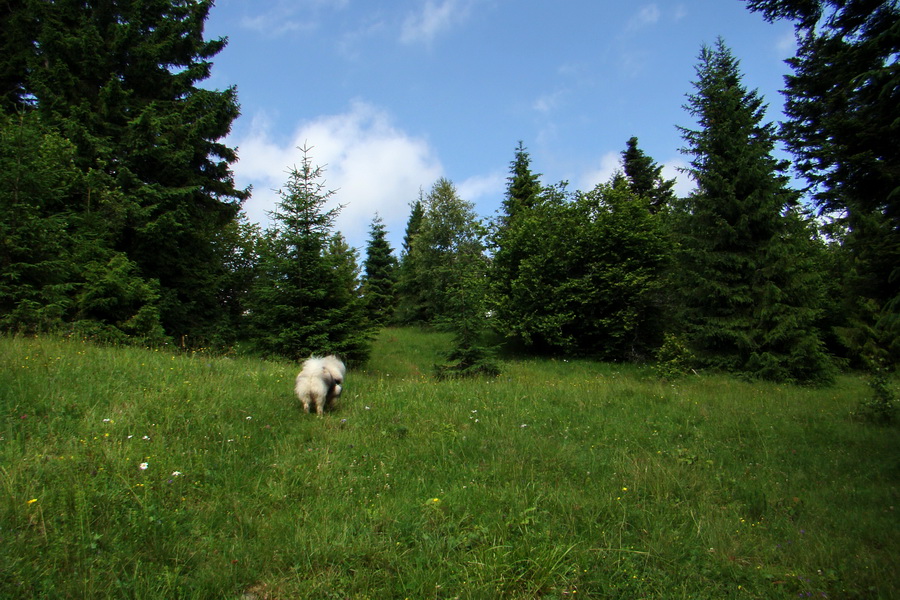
121,222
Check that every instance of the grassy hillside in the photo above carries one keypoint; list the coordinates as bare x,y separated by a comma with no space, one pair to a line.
130,473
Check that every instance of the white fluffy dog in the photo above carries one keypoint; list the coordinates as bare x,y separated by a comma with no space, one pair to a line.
320,382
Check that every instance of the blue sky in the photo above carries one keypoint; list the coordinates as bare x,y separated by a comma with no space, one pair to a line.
393,94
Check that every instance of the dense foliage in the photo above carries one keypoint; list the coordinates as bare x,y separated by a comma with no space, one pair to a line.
37,174
842,100
587,273
379,275
445,241
120,219
751,296
305,298
119,82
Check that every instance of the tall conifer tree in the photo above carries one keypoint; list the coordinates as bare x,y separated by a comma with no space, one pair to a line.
380,275
409,293
305,299
751,298
512,239
19,27
121,81
843,128
417,213
645,177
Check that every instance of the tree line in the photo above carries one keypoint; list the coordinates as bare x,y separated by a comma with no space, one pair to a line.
120,218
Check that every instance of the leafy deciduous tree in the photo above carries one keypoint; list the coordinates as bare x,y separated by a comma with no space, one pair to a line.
618,258
450,238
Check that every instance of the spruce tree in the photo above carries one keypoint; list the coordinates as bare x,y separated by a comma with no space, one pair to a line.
380,275
751,299
645,177
410,303
509,240
304,300
121,81
350,327
19,28
417,213
523,188
37,180
842,127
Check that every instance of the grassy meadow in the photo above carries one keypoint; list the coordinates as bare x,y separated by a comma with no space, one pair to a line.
139,473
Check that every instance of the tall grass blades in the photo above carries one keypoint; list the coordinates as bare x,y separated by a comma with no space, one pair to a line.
135,473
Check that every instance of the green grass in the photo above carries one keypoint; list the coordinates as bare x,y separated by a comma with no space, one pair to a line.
556,480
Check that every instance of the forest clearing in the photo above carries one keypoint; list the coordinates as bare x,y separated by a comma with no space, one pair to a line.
142,473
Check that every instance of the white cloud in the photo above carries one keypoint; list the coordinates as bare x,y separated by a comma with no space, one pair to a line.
286,16
549,101
609,164
434,18
786,44
684,185
634,56
372,165
485,191
276,22
648,15
612,162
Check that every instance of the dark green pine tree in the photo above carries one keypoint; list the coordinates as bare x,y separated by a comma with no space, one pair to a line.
523,188
512,240
410,300
37,180
305,300
645,177
350,328
751,300
417,213
843,128
121,80
379,275
19,29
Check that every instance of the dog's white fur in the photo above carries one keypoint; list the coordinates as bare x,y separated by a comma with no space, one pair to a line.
320,382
